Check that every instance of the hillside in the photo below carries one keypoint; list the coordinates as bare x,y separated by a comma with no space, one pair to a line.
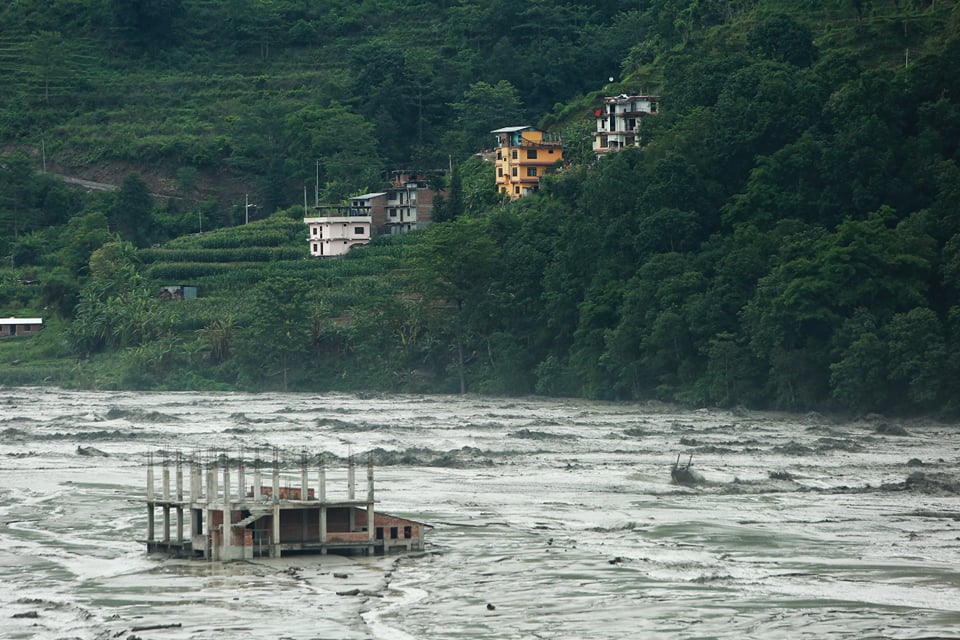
786,238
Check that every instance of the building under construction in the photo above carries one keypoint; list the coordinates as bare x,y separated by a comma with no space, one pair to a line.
222,518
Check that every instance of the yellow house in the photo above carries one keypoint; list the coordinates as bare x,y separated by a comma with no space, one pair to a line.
524,154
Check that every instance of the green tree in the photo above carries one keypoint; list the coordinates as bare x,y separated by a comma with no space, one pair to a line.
917,358
147,23
132,212
117,308
85,233
455,265
274,331
342,142
483,108
783,39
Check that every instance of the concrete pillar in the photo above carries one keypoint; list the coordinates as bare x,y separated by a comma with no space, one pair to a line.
166,500
370,477
205,526
150,497
322,496
179,479
227,491
226,555
276,506
275,553
351,480
256,479
371,524
196,480
166,481
211,485
322,489
179,499
304,485
276,479
215,492
241,478
150,493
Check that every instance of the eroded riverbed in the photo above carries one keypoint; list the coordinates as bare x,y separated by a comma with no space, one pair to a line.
560,515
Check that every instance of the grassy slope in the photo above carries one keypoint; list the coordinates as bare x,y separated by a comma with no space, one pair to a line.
129,114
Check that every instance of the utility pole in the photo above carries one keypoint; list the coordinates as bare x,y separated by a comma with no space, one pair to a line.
316,187
246,208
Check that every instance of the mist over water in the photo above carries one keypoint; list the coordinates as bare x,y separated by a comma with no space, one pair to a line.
558,514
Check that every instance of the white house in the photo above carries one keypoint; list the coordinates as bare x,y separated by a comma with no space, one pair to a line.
341,228
619,121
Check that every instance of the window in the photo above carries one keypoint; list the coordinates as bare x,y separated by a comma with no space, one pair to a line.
499,155
513,172
500,172
513,154
531,172
393,533
358,231
315,245
531,154
408,532
315,230
516,190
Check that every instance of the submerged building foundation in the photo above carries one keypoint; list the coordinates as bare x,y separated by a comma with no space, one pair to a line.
222,518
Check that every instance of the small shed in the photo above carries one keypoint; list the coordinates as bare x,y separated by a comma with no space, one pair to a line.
20,326
178,292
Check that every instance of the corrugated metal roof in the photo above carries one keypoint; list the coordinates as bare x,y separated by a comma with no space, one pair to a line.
368,196
21,320
511,129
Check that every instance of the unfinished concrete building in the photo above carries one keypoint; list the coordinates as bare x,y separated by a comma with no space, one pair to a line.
222,518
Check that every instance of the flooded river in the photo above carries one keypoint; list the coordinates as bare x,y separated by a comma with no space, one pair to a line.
551,519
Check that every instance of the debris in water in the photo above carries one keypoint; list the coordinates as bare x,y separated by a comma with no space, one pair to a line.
891,430
92,452
685,475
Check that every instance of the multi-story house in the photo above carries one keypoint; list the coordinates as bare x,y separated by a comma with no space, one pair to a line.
407,205
523,156
340,228
619,121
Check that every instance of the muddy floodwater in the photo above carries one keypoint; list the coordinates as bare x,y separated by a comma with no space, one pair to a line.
550,519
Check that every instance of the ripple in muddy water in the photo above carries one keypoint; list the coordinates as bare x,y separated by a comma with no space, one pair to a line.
551,519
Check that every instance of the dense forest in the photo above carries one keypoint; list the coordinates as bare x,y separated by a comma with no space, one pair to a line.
788,235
